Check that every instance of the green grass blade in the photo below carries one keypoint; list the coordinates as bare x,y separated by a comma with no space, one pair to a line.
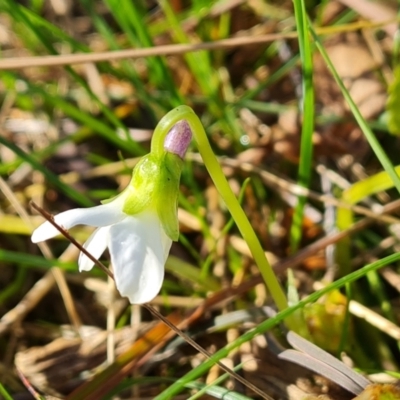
207,78
16,12
4,393
215,391
195,373
372,140
14,286
307,109
275,77
359,190
199,62
132,19
345,217
188,272
95,124
52,178
32,261
127,71
43,25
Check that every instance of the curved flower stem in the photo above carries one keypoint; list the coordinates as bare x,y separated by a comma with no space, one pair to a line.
213,167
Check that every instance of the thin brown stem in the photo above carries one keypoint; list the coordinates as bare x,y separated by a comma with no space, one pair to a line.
28,385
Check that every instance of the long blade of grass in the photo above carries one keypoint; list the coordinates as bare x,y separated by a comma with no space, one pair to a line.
188,272
359,190
52,178
195,373
4,393
46,27
274,77
372,140
95,124
14,286
345,217
307,110
215,391
32,261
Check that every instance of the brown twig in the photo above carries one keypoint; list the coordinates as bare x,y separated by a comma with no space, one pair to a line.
170,49
28,385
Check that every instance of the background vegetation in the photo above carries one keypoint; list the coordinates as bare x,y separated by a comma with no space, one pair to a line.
300,104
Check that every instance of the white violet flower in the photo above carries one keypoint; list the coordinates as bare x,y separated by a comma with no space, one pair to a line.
139,225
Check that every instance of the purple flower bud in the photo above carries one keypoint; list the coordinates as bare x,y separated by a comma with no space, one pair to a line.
178,138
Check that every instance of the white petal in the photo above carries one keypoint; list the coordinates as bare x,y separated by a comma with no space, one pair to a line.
103,215
139,247
95,245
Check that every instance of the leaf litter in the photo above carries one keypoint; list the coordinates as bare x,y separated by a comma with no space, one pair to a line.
60,342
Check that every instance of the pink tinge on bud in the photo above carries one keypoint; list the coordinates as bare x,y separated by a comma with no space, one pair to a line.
178,138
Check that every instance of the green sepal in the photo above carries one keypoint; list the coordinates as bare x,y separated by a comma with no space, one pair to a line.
155,186
141,190
166,194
